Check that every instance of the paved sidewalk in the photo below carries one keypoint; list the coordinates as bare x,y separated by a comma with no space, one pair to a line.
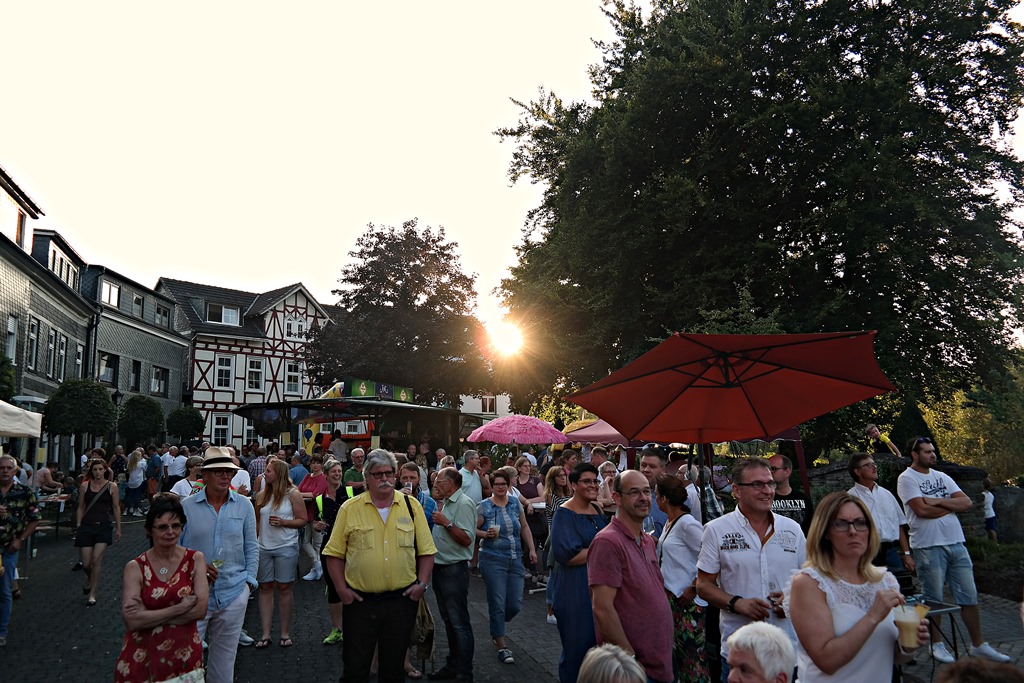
54,637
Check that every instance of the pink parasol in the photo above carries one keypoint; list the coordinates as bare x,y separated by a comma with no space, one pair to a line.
518,429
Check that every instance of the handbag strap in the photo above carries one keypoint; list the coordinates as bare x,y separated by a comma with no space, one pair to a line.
88,487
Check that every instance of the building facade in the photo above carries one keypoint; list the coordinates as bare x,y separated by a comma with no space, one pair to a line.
245,348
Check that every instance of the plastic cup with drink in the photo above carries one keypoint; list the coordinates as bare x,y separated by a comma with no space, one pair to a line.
908,618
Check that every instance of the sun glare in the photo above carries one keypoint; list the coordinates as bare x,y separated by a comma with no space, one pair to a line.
505,337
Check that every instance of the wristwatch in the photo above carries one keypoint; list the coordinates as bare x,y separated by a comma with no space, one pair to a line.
906,552
448,526
422,583
732,603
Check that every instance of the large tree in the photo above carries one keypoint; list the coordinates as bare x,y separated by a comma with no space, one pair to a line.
404,317
850,161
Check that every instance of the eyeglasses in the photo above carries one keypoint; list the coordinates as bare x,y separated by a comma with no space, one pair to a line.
387,474
758,485
218,473
499,484
161,528
843,525
588,482
867,464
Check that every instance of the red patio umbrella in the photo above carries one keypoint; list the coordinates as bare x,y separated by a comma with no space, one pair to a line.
709,388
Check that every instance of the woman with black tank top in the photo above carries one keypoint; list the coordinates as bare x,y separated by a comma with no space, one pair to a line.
99,508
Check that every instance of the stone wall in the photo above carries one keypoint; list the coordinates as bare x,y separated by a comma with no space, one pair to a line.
1009,513
834,477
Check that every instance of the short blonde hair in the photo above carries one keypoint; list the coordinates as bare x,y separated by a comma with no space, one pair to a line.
610,664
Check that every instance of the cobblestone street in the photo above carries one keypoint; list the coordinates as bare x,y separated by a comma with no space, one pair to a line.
54,637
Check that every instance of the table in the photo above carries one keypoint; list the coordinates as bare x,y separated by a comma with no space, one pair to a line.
937,609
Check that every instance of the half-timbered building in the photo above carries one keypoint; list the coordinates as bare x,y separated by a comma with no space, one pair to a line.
245,348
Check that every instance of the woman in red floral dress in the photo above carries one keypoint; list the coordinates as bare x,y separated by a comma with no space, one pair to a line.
165,594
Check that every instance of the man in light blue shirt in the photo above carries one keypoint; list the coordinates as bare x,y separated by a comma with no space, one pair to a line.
222,525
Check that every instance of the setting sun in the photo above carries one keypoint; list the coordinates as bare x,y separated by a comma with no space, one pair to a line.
506,338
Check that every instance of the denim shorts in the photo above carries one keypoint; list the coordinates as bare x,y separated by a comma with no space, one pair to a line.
938,564
278,564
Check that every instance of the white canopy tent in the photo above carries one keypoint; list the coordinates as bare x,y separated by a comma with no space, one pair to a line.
17,422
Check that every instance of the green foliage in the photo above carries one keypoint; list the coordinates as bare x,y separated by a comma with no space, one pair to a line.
983,427
185,422
8,384
405,317
141,419
551,408
837,158
79,406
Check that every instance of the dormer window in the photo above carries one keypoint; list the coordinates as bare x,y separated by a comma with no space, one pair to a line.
225,315
294,327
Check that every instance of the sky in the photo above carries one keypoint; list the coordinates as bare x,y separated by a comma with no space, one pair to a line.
249,144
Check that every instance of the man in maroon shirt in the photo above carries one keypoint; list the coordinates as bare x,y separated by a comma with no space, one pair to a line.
626,586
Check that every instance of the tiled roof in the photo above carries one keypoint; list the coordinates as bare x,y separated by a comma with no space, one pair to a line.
193,297
266,301
19,195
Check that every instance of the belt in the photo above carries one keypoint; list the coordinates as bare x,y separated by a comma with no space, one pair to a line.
886,545
386,595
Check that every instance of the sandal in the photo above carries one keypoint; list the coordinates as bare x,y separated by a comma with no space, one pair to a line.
262,643
285,642
413,673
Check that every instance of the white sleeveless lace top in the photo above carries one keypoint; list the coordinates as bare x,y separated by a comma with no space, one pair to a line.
849,603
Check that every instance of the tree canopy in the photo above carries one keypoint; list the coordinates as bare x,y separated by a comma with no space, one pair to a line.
404,317
141,418
185,422
79,406
850,162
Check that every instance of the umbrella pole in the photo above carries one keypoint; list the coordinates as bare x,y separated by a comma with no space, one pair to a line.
708,452
799,447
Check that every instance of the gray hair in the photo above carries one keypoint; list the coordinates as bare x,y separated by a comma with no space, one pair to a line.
769,645
376,458
359,450
610,664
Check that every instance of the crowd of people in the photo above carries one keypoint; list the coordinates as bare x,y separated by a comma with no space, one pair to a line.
647,578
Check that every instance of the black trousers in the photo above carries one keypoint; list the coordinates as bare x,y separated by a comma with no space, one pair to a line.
383,621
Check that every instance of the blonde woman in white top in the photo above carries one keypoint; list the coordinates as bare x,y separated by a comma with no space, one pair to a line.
280,513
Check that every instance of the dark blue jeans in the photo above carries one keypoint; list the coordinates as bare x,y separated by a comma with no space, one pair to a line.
451,588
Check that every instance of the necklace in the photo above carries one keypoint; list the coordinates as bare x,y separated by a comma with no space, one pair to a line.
163,571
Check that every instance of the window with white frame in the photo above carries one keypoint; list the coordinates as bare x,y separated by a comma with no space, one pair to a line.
62,357
225,372
294,327
163,316
250,432
488,405
11,346
254,375
138,304
221,429
111,294
292,377
51,352
158,381
79,360
219,313
32,356
107,370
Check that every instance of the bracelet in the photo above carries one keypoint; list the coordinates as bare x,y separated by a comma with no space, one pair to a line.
732,604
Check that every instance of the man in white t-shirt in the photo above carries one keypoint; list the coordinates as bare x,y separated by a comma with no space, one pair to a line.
748,556
167,456
241,483
937,540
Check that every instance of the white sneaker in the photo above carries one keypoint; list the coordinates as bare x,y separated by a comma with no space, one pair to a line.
988,652
311,576
244,639
551,619
940,653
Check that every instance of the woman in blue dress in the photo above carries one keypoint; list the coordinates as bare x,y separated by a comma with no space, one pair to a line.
573,528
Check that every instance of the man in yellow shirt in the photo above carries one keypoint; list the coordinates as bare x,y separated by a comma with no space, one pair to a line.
380,557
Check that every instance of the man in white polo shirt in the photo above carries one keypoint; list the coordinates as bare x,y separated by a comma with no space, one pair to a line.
885,510
748,556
